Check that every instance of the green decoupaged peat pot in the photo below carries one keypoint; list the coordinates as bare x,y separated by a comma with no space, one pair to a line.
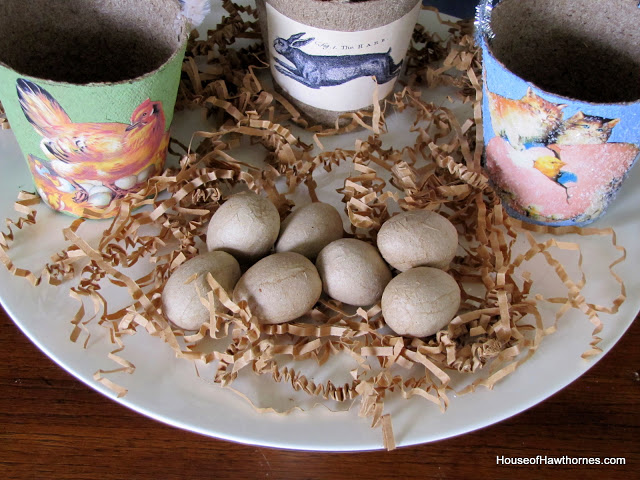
561,104
89,87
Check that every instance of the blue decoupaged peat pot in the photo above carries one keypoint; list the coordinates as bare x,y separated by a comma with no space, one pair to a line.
561,104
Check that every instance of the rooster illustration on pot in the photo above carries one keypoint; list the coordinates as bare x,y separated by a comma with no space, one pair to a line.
317,71
83,158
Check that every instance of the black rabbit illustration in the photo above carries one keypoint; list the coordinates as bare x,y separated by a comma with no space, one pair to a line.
317,71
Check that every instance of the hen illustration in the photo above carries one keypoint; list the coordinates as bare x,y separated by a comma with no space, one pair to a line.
93,153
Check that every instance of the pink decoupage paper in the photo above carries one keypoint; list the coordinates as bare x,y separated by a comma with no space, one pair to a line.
597,169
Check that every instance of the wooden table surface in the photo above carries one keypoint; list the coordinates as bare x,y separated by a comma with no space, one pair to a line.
54,427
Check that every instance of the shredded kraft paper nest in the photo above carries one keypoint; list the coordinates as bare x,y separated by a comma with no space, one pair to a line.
499,325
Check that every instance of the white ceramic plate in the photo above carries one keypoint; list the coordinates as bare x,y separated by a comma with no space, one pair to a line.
168,390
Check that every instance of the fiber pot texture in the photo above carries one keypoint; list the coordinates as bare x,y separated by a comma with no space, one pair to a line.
328,57
89,87
561,104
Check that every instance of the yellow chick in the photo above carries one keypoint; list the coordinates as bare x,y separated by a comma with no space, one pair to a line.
549,166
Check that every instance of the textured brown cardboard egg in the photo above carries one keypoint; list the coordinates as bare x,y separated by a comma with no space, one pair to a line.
181,295
309,229
353,272
246,226
280,287
418,238
420,301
